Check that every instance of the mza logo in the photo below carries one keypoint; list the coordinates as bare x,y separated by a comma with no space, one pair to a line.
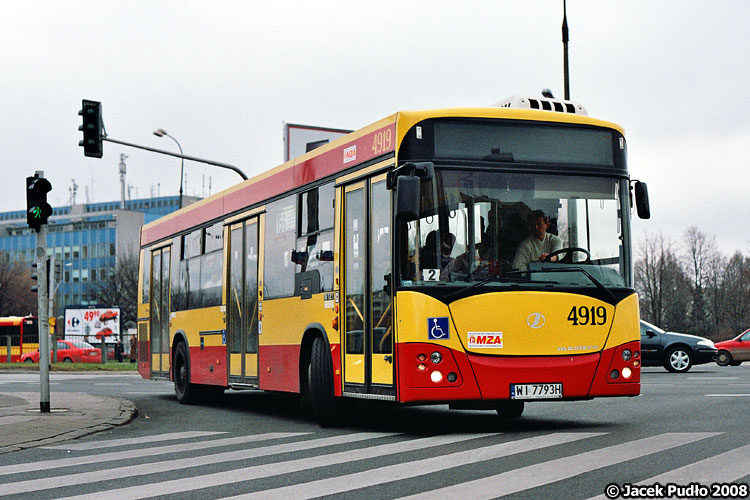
350,154
485,340
438,329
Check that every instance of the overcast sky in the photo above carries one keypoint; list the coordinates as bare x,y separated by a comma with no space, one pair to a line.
222,77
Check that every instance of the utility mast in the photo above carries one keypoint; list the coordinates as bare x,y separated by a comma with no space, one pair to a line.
123,169
566,76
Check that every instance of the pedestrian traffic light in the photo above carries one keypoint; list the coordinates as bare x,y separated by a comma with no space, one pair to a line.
37,208
91,111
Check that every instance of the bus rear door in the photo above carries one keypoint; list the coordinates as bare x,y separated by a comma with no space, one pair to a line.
159,314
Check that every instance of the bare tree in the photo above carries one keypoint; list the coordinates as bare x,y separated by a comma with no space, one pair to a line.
121,288
661,284
16,297
700,253
736,290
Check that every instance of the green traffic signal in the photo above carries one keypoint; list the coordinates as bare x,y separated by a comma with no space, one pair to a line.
37,208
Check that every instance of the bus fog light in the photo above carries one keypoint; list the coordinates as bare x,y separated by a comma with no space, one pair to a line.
421,367
626,373
436,358
627,355
614,374
436,376
451,377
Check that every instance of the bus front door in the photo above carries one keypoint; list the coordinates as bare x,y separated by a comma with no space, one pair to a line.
242,303
367,302
159,317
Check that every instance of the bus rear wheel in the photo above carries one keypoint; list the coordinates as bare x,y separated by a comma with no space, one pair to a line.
320,383
183,389
509,409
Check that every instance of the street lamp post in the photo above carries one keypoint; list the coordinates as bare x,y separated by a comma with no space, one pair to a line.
160,132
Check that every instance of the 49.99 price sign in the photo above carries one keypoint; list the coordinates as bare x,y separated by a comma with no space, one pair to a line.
92,325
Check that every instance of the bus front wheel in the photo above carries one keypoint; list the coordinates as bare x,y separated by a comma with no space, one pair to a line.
320,383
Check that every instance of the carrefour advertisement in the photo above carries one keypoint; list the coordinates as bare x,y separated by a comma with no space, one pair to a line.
91,325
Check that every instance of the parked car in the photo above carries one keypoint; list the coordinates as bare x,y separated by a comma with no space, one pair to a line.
735,351
677,352
69,351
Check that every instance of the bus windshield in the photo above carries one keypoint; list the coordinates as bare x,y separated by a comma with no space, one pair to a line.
518,229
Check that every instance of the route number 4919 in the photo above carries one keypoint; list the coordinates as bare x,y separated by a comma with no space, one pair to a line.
582,315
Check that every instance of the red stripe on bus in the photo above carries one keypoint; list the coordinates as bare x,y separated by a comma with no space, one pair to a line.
296,175
278,367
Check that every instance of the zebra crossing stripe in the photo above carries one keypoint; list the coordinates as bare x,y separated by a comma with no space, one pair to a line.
142,452
373,477
725,467
112,443
272,469
120,473
556,470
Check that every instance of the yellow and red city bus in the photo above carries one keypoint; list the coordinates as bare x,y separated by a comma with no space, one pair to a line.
383,266
24,336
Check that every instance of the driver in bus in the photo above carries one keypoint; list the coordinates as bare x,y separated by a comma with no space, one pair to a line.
539,244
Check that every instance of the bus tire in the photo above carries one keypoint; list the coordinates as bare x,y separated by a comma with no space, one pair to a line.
320,383
183,389
509,409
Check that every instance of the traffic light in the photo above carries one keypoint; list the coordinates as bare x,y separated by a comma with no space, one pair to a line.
37,208
91,111
35,275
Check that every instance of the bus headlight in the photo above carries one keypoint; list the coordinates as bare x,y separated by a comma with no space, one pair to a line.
436,357
436,377
627,355
626,372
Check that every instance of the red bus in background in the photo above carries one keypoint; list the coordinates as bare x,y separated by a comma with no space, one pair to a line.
24,336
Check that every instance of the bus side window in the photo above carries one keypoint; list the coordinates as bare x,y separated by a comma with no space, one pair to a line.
279,242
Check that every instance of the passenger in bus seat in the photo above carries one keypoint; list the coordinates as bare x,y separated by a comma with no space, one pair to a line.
539,244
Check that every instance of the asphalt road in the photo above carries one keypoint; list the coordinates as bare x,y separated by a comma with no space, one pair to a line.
683,429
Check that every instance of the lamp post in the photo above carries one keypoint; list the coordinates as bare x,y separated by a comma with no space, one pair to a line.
160,132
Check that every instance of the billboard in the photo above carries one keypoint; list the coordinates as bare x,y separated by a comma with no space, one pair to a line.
93,324
299,139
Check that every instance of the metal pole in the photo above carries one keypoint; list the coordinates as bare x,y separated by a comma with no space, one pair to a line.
191,158
52,289
104,351
41,259
565,39
9,343
182,164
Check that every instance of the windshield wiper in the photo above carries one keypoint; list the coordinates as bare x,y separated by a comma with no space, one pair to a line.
504,278
591,278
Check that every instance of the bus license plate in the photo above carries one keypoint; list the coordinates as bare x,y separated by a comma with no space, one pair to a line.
536,391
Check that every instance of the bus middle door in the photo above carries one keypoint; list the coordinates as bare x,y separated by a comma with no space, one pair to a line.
242,303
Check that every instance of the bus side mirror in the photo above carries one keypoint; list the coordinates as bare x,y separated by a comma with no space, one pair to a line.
407,197
641,200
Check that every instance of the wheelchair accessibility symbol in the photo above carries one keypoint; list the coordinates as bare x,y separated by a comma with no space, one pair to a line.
438,329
